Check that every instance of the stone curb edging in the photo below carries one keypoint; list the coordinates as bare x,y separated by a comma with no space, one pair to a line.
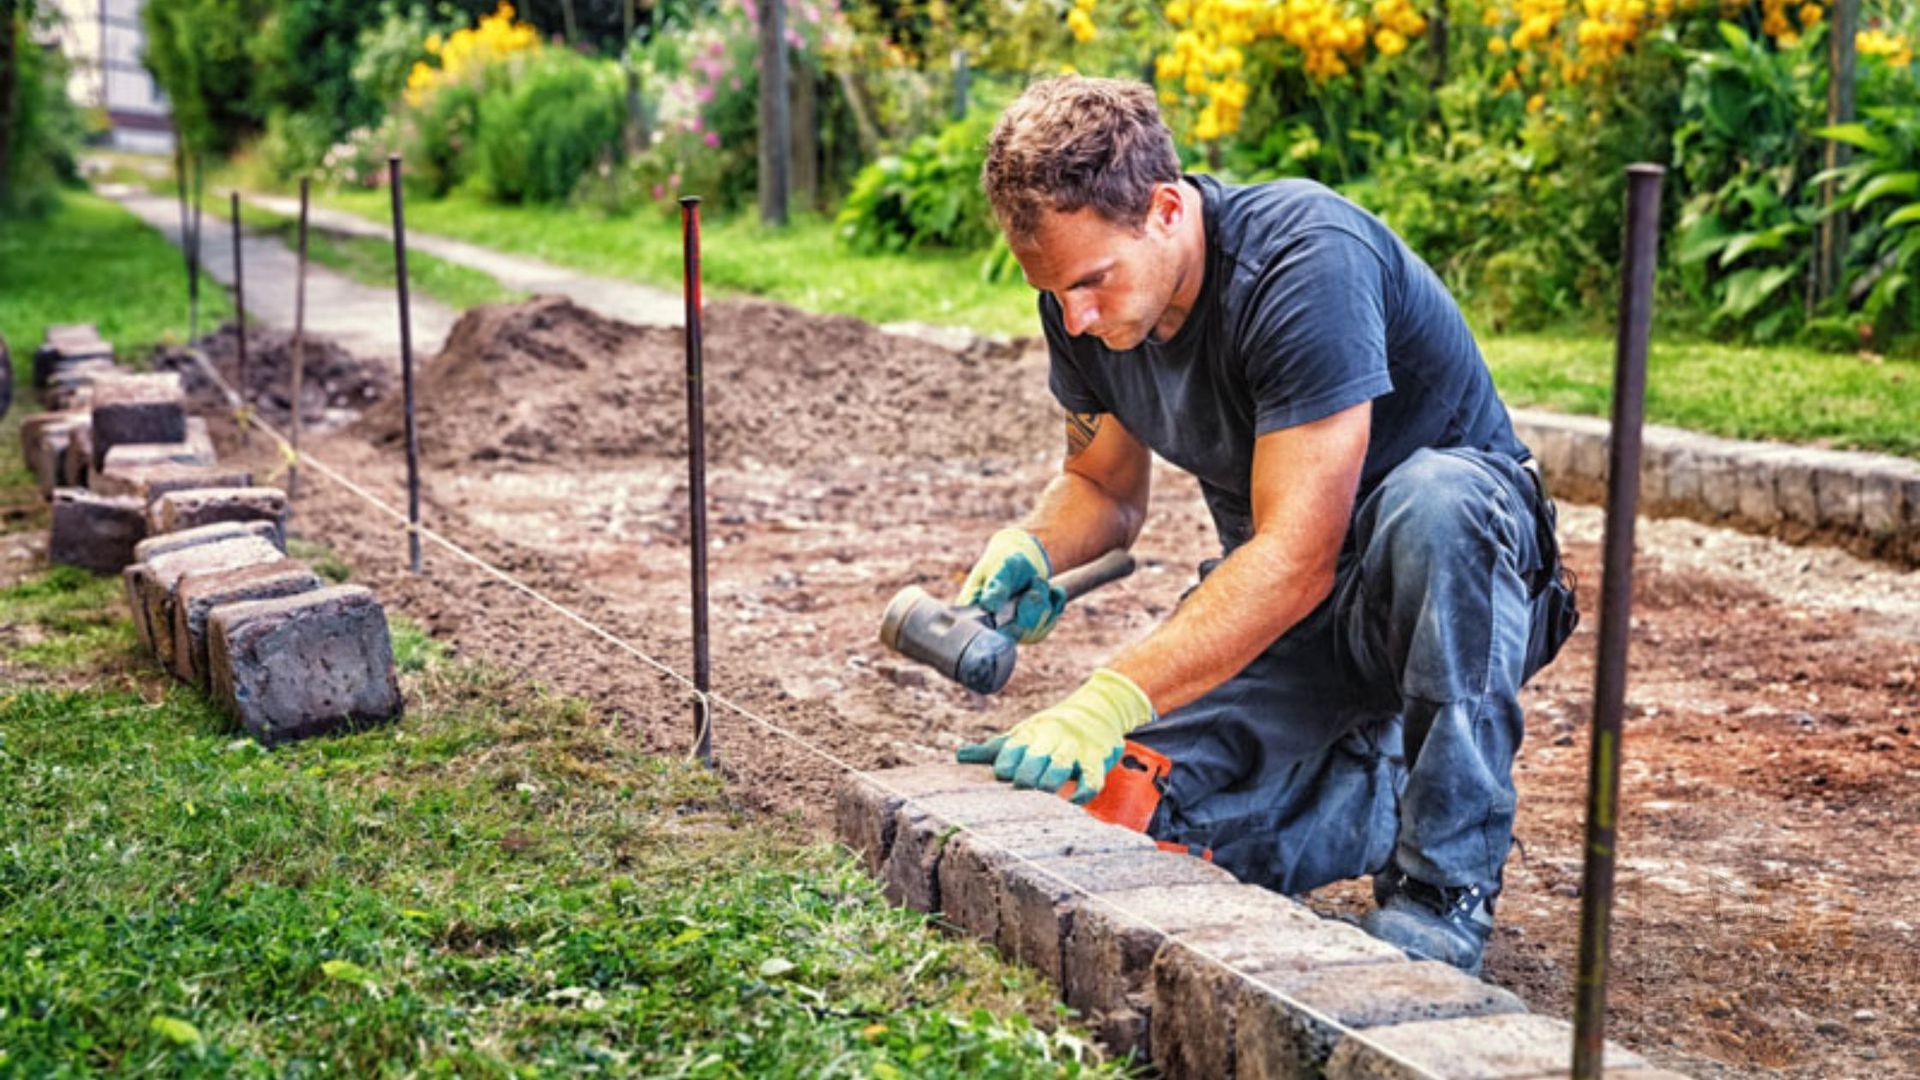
1868,503
1135,937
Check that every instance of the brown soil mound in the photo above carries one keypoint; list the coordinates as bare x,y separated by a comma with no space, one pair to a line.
549,381
335,385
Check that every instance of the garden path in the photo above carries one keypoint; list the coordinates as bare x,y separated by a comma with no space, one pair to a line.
363,319
624,300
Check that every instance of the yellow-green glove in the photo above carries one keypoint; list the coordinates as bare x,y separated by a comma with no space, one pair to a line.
1015,568
1078,739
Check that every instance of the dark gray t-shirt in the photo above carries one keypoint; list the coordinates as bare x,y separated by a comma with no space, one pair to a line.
1310,305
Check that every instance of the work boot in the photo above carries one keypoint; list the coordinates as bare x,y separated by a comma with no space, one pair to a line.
1431,922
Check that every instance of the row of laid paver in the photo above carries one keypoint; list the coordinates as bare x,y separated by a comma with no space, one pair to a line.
137,489
1869,503
1170,958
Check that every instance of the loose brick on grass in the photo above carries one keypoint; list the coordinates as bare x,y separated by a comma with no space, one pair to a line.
147,408
154,585
306,665
149,482
93,531
188,508
199,592
160,544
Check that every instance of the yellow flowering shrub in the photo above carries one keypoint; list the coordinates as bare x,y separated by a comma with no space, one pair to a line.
1332,39
1896,48
496,37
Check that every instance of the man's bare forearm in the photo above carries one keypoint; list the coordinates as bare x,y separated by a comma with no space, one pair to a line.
1253,597
1077,521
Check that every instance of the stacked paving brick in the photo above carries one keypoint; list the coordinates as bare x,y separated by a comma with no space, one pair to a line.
138,490
1170,958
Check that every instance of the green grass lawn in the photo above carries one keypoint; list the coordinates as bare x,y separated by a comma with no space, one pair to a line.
1780,393
91,261
499,885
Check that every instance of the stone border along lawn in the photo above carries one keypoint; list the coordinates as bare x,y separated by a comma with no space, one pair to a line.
1136,938
502,882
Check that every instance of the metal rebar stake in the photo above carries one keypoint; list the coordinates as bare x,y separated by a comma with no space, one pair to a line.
1616,612
406,363
299,351
697,478
239,315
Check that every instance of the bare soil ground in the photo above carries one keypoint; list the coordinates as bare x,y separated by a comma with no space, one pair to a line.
1768,877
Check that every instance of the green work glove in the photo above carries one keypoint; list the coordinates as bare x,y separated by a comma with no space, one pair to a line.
1078,739
1016,568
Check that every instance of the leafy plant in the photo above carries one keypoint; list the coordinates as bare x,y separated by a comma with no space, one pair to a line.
926,196
1880,188
551,122
1744,236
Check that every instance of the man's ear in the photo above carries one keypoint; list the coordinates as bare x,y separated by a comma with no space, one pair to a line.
1168,208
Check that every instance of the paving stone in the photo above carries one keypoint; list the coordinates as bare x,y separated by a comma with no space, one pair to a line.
71,385
1111,944
864,805
199,592
185,509
166,543
1590,457
1292,1033
155,585
76,465
910,874
94,531
43,439
1793,487
149,482
1836,491
1910,500
148,408
980,870
306,665
1719,481
1200,977
1682,465
1757,499
1553,446
65,345
147,455
1042,899
200,437
1882,498
1507,1047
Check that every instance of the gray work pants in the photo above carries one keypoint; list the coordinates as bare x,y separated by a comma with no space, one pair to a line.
1385,723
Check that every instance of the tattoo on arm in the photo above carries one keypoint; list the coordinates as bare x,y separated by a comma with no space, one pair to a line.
1081,429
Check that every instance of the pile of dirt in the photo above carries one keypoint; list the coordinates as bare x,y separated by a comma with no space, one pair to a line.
547,381
336,387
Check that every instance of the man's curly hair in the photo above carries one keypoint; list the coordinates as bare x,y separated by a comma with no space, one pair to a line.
1073,142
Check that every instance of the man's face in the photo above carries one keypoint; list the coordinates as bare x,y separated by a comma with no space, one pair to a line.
1111,281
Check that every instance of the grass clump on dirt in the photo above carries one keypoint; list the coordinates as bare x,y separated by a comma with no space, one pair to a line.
499,884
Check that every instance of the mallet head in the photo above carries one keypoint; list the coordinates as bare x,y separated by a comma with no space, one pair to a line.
957,640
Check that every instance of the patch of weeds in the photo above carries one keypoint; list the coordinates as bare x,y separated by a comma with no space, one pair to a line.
324,560
413,650
64,617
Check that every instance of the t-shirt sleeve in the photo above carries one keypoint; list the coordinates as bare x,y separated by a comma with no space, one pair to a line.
1315,338
1064,375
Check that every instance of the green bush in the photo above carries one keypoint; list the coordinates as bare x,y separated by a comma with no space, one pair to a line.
439,137
555,120
201,52
40,132
927,196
